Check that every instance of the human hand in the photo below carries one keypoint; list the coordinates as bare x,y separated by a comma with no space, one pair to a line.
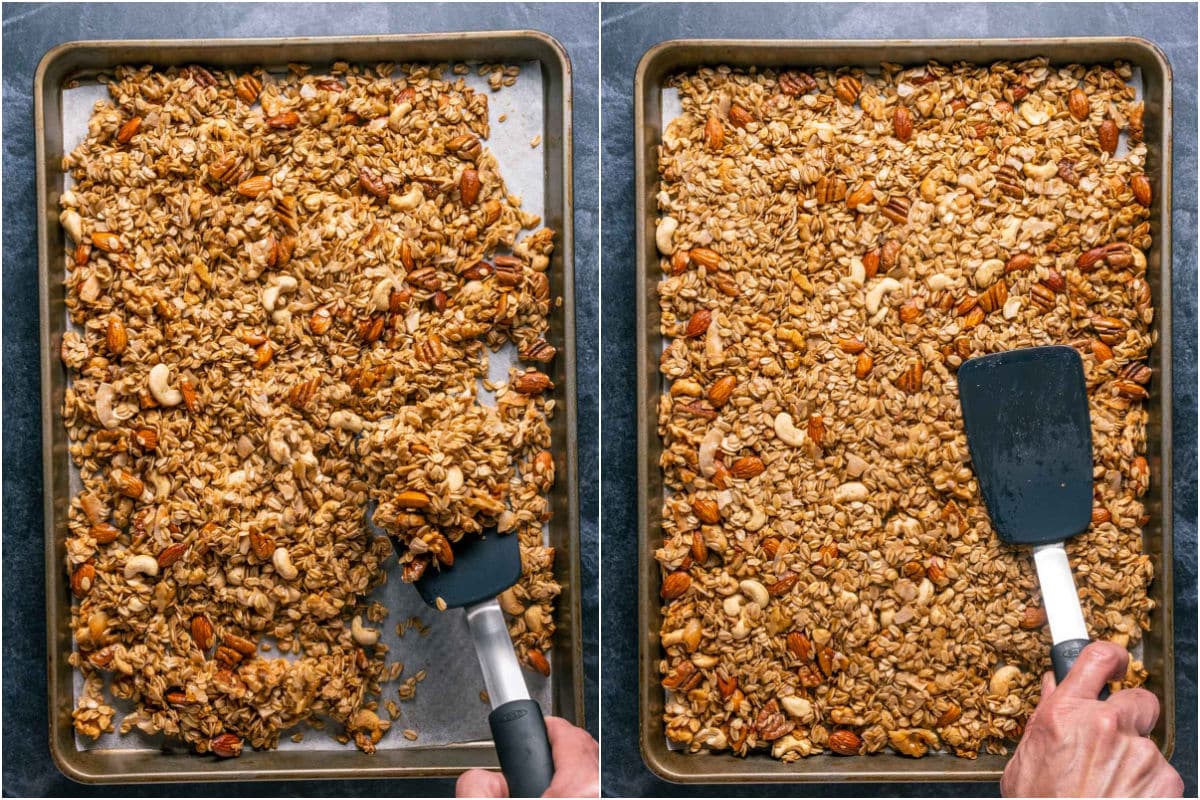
576,767
1076,745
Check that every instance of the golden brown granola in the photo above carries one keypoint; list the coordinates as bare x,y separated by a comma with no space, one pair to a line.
834,244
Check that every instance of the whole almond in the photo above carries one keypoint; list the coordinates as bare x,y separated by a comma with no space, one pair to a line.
706,510
83,579
740,116
1140,185
127,484
1101,351
698,323
851,346
1018,263
699,548
902,123
714,133
538,661
910,312
1131,390
861,196
799,645
129,130
704,257
675,584
1055,282
1033,617
862,365
107,241
227,745
783,585
870,262
1077,103
844,742
719,392
412,498
747,467
1107,136
285,121
104,532
254,187
532,382
1101,515
468,186
115,336
171,554
242,645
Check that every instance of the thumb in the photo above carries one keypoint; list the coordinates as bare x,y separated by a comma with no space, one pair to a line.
481,783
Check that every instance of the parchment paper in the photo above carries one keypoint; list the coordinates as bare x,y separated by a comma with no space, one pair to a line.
447,708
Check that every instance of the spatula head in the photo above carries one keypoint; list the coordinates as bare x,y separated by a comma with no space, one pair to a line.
484,566
1030,436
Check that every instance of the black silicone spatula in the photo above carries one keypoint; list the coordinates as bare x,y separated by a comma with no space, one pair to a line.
483,568
1030,436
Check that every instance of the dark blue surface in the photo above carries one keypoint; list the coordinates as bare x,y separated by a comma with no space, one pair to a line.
31,30
627,31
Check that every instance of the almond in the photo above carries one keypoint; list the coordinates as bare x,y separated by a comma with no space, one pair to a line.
254,187
227,745
104,532
411,498
263,544
675,584
284,121
1108,136
1018,263
107,241
129,130
910,312
706,510
889,254
861,196
747,467
770,546
1033,617
1101,515
191,400
851,346
714,133
83,579
1101,351
263,355
871,262
699,548
949,716
532,382
127,484
1055,281
799,645
1077,103
171,554
468,186
783,585
698,324
680,260
862,365
115,336
902,123
538,661
740,116
719,393
704,257
844,742
816,429
1140,185
1133,391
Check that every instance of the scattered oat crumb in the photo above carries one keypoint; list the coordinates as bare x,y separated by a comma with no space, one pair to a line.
535,141
298,736
483,696
410,734
440,603
502,118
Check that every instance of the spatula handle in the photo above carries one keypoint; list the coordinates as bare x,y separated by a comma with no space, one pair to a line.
519,733
1064,654
1063,613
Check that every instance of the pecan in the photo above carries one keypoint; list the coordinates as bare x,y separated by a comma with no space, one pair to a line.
830,189
794,83
799,645
910,380
847,89
1066,171
1010,182
1136,371
248,88
372,182
993,299
682,677
771,723
896,209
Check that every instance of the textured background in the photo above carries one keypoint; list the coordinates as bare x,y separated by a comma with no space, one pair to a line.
31,30
627,32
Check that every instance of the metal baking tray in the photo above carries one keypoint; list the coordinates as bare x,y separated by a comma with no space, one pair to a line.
668,58
134,761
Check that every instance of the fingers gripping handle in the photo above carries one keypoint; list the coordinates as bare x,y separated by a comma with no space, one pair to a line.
521,744
1064,655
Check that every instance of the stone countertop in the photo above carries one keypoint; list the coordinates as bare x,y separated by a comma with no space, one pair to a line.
31,30
627,31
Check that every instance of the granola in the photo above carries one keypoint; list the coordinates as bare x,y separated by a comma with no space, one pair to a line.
834,245
284,292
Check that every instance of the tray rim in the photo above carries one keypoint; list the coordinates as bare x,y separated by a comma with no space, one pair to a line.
461,756
683,768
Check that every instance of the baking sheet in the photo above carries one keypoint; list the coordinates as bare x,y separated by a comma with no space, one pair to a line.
672,108
447,708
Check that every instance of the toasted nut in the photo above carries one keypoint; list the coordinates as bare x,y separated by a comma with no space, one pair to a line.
847,89
129,130
794,83
247,88
913,742
714,133
697,324
706,510
1137,372
799,645
844,742
1077,103
949,716
285,121
1018,263
362,634
411,498
755,591
1140,185
784,585
786,430
861,196
83,579
1004,679
171,554
202,632
282,560
850,492
532,382
254,187
699,547
910,380
141,565
107,241
704,257
242,645
816,429
1108,136
537,660
1101,351
116,338
1133,391
664,235
862,366
740,116
993,299
747,467
902,123
1033,617
719,392
127,484
469,186
675,584
227,745
104,532
851,346
1055,282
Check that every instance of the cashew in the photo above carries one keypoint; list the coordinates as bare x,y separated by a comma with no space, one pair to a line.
938,281
72,223
397,115
363,634
967,181
858,272
756,592
533,619
510,603
381,294
164,395
786,430
712,738
407,201
758,518
1034,112
791,744
732,605
988,272
454,478
707,452
284,284
875,295
798,707
109,416
850,492
740,630
1041,172
1003,679
89,292
282,560
672,638
1139,260
704,661
346,420
1012,306
664,235
924,592
141,565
